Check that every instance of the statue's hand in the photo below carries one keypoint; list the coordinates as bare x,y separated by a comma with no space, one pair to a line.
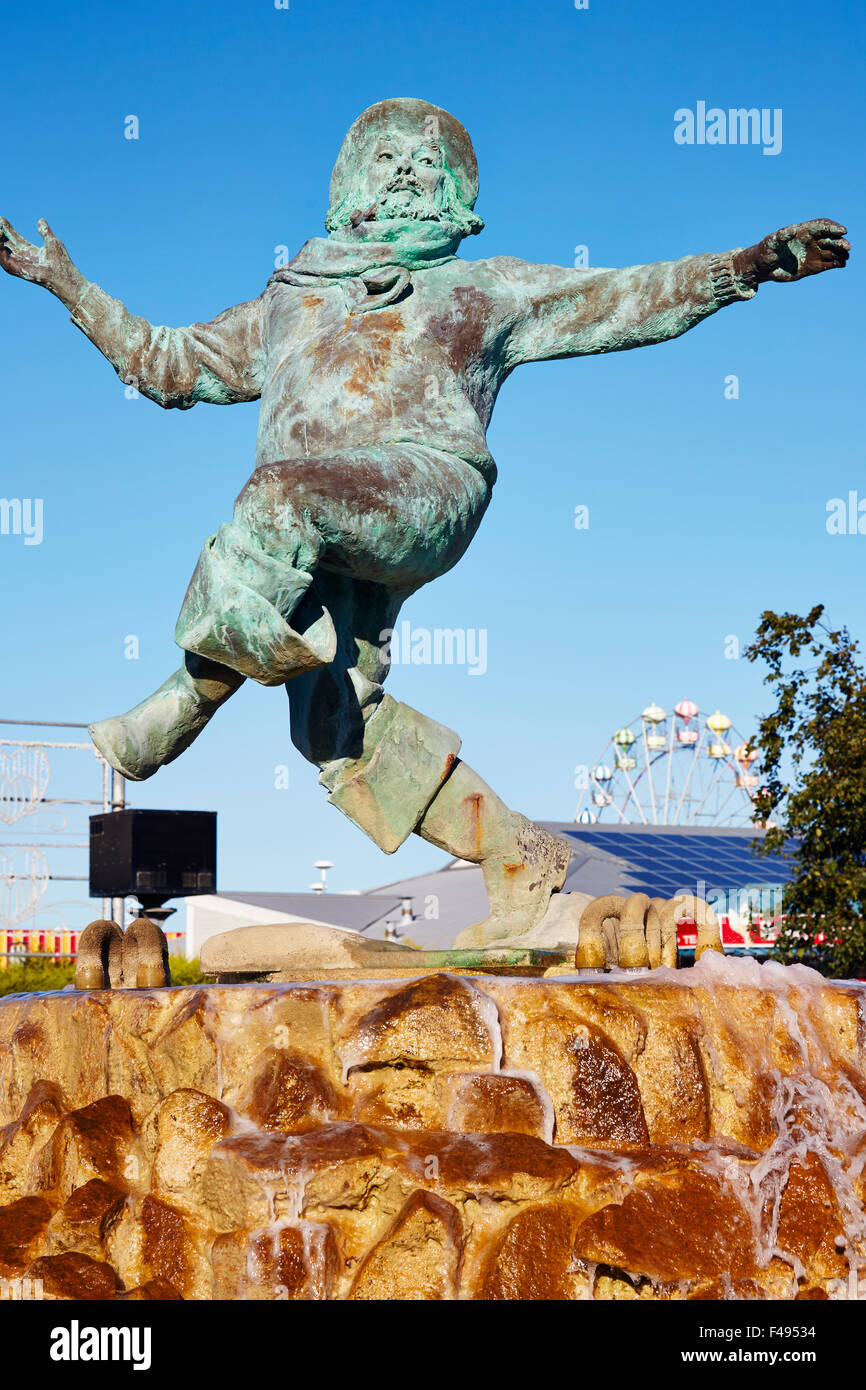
795,252
48,265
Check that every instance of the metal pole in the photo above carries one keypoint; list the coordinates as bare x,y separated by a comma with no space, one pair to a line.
44,723
107,905
118,803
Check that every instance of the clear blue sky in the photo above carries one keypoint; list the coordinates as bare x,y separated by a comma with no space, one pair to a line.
703,511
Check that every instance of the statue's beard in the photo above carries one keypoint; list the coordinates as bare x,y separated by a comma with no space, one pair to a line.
404,199
410,201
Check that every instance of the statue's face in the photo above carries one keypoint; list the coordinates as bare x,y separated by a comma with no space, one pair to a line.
402,177
404,161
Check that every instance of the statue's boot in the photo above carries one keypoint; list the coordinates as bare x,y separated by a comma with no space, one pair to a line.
408,777
522,863
233,624
158,730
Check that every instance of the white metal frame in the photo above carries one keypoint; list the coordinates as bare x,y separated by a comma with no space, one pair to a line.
113,799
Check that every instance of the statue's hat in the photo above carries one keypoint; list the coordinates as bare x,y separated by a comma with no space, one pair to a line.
413,113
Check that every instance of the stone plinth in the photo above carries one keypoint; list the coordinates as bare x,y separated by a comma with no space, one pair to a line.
689,1134
295,951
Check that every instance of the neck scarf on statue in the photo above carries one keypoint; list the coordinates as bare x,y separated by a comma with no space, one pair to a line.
373,262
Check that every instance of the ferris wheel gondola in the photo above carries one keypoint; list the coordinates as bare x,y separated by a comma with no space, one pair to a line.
672,768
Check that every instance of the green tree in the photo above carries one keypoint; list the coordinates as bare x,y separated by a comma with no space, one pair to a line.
813,750
29,975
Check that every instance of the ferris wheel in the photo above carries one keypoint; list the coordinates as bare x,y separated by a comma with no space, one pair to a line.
671,768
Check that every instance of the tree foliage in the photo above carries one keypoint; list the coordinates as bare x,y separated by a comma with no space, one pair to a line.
31,975
34,976
813,748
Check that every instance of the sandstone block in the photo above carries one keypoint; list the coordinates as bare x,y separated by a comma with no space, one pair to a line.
74,1277
23,1224
85,1221
419,1256
305,948
97,1141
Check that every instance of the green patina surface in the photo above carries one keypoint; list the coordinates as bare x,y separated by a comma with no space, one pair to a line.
490,959
377,354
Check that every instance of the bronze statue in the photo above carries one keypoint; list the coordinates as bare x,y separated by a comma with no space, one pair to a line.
377,354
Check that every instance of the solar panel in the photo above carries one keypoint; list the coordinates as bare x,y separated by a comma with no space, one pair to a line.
661,863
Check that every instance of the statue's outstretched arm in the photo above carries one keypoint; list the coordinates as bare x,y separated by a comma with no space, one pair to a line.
568,313
221,361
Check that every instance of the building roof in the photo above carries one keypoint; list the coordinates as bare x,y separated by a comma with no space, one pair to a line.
355,911
661,860
443,903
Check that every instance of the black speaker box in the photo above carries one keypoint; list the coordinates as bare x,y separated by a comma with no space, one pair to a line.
165,854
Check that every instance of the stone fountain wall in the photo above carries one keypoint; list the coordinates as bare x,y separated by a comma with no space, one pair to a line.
692,1134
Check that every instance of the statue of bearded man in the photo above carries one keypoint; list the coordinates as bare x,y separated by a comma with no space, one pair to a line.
377,354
